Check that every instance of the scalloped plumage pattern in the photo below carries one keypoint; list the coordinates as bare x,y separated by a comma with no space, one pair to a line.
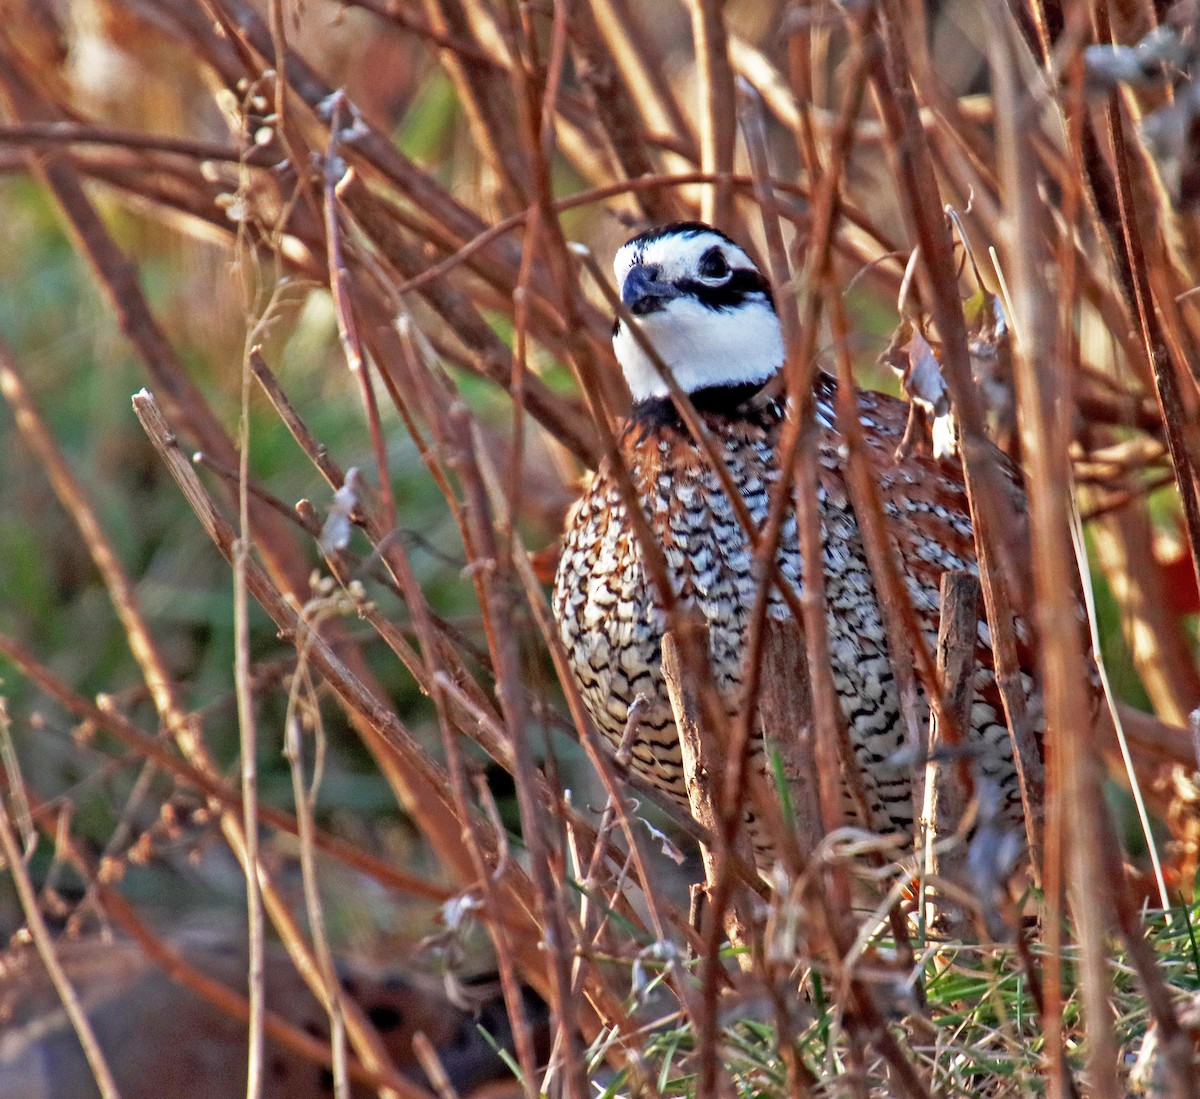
611,622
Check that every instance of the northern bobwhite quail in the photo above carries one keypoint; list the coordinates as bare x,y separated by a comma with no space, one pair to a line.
708,311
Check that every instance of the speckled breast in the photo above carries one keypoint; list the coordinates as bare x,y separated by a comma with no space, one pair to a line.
611,621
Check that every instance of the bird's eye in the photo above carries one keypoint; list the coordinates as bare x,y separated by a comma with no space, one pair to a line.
713,265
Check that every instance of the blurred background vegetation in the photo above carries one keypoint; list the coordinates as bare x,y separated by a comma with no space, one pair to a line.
206,237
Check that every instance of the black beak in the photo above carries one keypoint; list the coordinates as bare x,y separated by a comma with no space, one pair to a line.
643,292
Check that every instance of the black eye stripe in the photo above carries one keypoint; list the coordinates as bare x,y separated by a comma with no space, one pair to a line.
731,293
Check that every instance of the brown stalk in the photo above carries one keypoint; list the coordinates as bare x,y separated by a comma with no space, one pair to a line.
617,111
718,123
1054,876
703,755
316,451
14,857
221,996
423,786
1043,396
1179,1050
740,183
487,102
483,853
800,71
908,651
168,700
753,128
498,596
445,219
246,842
501,743
946,797
991,503
147,748
469,51
797,452
645,72
536,93
1113,192
303,697
786,722
1164,661
604,768
703,762
339,278
520,365
53,134
495,742
797,441
469,326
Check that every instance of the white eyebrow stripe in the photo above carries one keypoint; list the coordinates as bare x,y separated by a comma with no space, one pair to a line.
677,255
